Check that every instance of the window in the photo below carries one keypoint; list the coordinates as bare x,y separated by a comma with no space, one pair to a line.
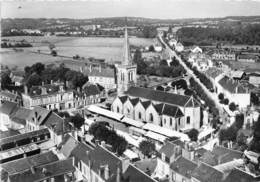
140,115
188,120
164,121
151,117
170,121
128,111
117,109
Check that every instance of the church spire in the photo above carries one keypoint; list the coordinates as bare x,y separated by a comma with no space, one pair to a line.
126,53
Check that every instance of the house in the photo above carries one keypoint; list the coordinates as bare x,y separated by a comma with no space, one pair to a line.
181,170
177,112
158,48
50,96
249,58
96,163
10,96
17,77
234,91
43,118
23,139
7,108
222,55
89,94
196,49
19,166
238,175
62,170
206,173
201,61
214,74
173,42
220,155
237,75
167,155
18,118
102,75
254,80
179,47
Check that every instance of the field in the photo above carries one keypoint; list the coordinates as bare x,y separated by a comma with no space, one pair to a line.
109,49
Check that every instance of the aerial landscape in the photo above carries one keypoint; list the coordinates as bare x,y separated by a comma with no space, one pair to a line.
130,91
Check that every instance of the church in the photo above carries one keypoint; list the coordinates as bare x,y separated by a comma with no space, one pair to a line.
178,112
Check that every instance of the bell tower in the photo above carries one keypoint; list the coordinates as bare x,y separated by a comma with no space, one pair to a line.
126,71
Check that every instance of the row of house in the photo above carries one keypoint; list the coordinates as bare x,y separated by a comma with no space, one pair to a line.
95,162
29,120
57,96
181,162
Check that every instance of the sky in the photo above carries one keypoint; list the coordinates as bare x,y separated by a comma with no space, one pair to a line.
162,9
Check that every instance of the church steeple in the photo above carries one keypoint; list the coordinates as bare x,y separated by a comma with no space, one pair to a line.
126,50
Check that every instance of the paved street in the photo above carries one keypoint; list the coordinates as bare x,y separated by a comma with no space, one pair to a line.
213,96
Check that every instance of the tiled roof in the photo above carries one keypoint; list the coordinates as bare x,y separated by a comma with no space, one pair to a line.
173,111
231,85
146,104
8,94
50,89
21,115
206,173
237,175
8,107
24,136
53,169
168,149
134,101
155,95
98,157
57,124
104,72
213,72
123,99
69,144
183,166
134,174
38,113
224,154
8,133
23,164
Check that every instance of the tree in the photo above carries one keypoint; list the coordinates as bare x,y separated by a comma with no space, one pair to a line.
193,134
101,132
226,101
254,99
76,120
149,32
33,79
37,68
163,62
5,80
147,147
221,96
232,106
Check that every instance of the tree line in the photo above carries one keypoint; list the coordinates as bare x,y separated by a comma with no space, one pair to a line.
38,73
237,34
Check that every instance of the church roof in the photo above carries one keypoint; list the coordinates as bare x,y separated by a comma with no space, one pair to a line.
164,97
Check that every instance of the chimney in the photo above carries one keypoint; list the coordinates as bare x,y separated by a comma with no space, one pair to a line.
51,82
67,83
99,68
32,170
61,88
44,170
118,174
44,90
106,172
78,89
90,67
42,83
25,90
103,144
236,90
